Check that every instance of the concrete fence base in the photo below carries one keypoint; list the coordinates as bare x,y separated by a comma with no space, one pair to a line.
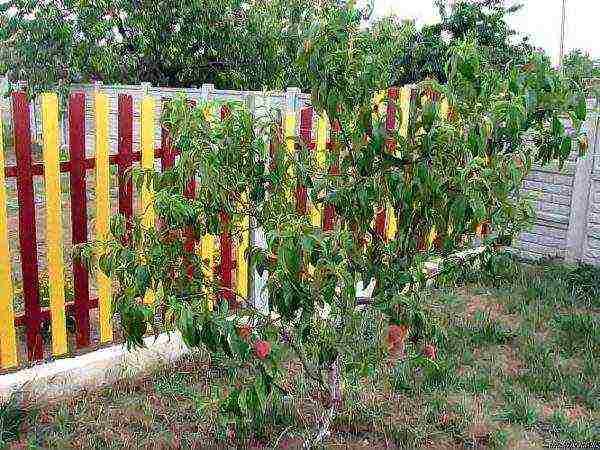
65,377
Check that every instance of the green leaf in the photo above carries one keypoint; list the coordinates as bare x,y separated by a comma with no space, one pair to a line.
142,280
209,337
581,109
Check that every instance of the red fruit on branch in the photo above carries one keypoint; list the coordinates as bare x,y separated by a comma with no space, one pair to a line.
529,67
262,349
231,435
452,115
396,336
444,419
430,351
244,332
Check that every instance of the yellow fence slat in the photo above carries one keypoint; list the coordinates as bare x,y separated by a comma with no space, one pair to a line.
444,108
321,149
208,251
241,275
379,105
8,341
405,97
290,141
391,225
290,135
103,210
290,132
390,219
147,162
54,240
147,142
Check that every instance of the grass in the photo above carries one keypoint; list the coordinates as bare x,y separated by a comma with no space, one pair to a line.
518,366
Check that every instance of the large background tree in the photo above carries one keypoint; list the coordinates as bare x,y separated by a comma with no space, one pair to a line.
484,21
233,44
583,70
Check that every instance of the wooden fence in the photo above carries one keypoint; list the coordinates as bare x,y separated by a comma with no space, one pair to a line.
22,335
107,130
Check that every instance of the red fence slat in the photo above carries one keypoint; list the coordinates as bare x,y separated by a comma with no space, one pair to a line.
329,210
27,226
79,213
125,154
167,157
189,244
306,118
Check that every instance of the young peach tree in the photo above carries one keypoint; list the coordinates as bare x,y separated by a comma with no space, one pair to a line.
458,166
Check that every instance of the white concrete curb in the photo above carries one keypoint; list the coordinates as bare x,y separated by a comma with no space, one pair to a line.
92,370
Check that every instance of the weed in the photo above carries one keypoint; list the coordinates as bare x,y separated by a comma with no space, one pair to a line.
483,330
498,439
401,377
577,433
577,332
518,409
583,280
490,332
406,436
477,383
12,417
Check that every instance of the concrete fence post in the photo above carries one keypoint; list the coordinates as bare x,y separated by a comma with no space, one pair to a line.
145,88
206,91
256,103
577,233
291,100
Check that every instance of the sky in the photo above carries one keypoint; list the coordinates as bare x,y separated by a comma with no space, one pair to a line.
540,19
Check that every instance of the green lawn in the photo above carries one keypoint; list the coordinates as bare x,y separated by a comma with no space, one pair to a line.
519,367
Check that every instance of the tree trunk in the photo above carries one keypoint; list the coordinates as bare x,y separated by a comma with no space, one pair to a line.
335,400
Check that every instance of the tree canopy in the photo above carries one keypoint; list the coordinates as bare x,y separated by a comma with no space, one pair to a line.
233,44
458,165
486,22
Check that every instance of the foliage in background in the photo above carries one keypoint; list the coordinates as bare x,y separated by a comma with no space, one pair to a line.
233,44
486,22
584,71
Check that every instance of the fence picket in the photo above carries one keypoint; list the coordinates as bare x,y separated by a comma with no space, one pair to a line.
390,124
306,119
383,227
167,156
54,240
405,102
103,210
125,149
147,143
225,241
27,226
329,213
8,338
147,163
241,269
320,148
81,288
207,252
289,132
